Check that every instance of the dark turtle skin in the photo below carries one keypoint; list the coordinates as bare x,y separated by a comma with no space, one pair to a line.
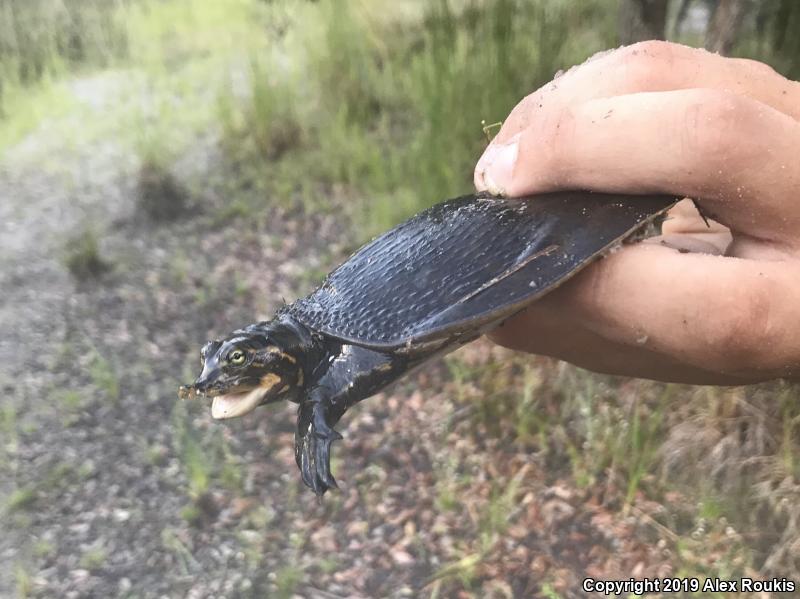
433,283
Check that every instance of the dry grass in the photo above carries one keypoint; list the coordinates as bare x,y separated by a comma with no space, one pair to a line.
712,472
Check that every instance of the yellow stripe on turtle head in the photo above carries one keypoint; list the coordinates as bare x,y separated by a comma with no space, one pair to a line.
270,381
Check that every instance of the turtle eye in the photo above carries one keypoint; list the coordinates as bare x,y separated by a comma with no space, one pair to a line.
236,357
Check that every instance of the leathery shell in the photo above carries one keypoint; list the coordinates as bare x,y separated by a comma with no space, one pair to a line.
468,263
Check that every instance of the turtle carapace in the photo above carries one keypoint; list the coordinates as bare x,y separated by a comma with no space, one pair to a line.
439,280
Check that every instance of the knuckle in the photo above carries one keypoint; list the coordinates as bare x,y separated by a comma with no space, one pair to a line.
557,153
648,51
756,67
714,122
644,65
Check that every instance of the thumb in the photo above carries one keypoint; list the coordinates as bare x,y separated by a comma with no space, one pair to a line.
495,169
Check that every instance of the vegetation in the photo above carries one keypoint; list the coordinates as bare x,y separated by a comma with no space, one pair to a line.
392,92
82,256
44,38
639,444
775,40
161,197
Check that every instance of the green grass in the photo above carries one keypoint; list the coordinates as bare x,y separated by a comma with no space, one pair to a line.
8,427
196,463
104,377
160,93
287,579
23,108
208,465
171,541
24,581
266,123
42,38
43,548
71,400
82,256
20,499
549,592
93,558
385,107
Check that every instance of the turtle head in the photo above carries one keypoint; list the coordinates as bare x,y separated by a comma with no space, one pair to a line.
246,369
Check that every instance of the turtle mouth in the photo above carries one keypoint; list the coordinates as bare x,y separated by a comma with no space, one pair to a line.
233,405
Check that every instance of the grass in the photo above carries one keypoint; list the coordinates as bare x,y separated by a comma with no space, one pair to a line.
287,579
159,95
43,40
160,196
495,513
376,119
93,558
197,465
20,499
171,540
104,377
208,465
82,256
265,123
21,109
24,581
8,428
717,462
71,400
40,37
43,548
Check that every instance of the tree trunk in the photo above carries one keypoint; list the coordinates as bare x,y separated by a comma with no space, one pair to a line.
642,20
683,10
724,26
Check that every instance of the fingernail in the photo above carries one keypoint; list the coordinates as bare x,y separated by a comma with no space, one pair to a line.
498,166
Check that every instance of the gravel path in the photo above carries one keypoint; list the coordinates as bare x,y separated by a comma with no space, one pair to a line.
93,443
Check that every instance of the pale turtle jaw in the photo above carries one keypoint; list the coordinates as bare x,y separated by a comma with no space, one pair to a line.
233,405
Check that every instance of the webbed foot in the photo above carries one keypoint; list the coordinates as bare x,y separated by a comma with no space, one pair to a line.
312,447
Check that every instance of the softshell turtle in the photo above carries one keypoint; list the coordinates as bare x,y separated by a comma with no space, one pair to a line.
433,283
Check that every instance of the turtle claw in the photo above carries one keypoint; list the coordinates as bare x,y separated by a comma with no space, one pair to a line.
313,451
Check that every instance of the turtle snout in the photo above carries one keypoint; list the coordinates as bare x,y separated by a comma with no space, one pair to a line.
207,383
200,388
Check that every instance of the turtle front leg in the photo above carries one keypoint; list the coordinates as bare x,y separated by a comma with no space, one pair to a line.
312,445
353,373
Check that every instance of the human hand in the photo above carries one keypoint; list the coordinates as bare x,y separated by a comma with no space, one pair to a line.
657,117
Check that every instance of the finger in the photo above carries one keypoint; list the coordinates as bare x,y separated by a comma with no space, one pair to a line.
656,66
725,315
569,340
730,151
